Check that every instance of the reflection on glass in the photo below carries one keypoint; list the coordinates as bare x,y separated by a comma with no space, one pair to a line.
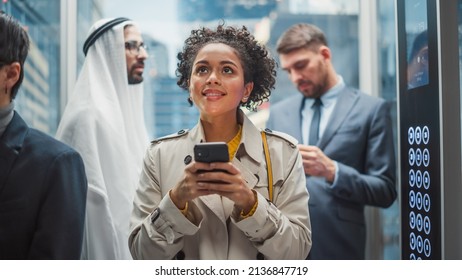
38,98
417,69
417,42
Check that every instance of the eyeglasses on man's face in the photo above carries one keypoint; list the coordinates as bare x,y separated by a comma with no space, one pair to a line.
134,48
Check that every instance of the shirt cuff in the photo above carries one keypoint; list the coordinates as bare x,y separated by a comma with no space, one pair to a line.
336,175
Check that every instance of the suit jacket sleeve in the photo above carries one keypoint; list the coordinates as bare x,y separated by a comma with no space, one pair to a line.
61,218
376,185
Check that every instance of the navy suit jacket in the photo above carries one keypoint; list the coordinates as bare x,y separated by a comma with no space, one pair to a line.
359,137
42,195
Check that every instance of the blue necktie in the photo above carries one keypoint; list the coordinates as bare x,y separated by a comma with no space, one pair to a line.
314,127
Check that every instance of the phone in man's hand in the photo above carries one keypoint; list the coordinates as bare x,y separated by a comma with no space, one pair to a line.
211,152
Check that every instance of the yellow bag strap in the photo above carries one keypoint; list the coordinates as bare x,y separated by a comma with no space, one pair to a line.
268,166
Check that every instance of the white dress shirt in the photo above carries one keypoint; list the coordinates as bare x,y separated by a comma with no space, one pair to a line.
329,99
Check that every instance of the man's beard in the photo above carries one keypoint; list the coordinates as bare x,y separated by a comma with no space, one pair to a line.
314,92
133,77
317,89
134,80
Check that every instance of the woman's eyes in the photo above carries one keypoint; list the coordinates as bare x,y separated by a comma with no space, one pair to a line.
228,70
204,69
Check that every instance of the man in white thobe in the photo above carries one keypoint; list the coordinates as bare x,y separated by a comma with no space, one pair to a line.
104,122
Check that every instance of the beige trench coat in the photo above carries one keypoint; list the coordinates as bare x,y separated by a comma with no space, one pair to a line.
213,229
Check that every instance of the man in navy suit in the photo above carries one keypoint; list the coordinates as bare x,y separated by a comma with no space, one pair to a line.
347,149
42,181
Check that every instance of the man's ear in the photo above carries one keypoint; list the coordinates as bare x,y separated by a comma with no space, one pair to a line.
13,71
325,52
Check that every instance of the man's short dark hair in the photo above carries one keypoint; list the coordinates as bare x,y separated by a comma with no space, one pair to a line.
14,45
301,35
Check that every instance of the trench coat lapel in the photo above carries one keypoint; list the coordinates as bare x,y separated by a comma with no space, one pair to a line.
214,202
217,204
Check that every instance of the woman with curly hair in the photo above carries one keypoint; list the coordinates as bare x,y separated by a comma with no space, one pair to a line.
185,209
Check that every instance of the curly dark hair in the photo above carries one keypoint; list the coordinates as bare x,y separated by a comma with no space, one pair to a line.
258,65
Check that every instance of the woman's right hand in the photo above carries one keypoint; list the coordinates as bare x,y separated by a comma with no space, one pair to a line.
187,188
